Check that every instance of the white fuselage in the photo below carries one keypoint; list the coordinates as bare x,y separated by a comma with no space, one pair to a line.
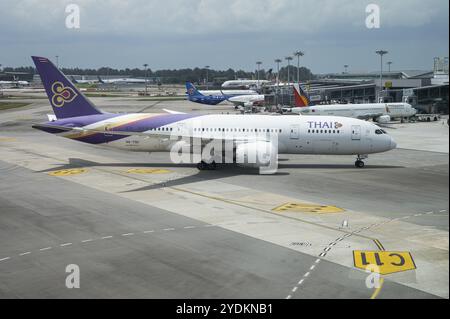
296,135
360,111
228,92
241,83
246,99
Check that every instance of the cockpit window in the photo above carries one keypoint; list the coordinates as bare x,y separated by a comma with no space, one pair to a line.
384,132
378,132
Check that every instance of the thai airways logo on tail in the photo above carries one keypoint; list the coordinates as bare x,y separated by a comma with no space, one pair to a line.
62,94
301,99
64,97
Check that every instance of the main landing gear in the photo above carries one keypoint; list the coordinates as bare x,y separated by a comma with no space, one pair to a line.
359,161
203,166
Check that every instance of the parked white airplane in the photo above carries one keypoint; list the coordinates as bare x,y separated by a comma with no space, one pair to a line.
380,112
122,81
247,100
15,83
228,92
243,83
259,137
84,81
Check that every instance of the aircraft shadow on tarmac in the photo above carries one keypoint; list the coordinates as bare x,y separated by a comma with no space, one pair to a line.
224,171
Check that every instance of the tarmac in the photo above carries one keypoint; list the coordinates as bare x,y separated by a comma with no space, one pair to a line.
138,226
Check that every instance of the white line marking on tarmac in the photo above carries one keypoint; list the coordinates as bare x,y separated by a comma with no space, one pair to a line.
107,237
128,234
317,260
289,297
312,267
86,240
189,227
294,289
25,253
6,258
66,244
307,274
45,248
168,229
442,211
301,281
149,231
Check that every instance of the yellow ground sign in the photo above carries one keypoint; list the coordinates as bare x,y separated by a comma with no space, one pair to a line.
307,208
148,171
67,172
384,262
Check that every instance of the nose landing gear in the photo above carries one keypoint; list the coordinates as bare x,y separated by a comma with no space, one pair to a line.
359,161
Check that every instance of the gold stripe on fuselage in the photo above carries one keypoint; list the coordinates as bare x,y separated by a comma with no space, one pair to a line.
111,125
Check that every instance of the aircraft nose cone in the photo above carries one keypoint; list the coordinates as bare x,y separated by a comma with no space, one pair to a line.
393,144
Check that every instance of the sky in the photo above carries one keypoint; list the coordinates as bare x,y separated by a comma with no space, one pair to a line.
174,34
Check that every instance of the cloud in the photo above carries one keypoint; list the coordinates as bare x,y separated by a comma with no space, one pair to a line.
199,17
224,33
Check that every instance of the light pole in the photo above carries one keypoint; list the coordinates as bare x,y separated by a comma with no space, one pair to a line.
145,66
57,61
298,54
389,66
346,68
381,53
278,61
288,59
207,71
259,66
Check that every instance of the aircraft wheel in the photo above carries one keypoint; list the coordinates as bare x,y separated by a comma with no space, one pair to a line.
359,164
212,166
201,166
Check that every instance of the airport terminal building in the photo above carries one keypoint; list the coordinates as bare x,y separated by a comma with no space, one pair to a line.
425,90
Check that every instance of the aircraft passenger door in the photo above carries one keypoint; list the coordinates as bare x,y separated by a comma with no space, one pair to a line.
295,132
356,132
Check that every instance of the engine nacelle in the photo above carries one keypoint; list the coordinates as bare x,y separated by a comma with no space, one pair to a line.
384,119
255,154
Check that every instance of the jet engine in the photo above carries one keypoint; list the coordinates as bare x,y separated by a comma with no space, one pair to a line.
384,119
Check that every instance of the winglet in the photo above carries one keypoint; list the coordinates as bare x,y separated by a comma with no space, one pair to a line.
173,112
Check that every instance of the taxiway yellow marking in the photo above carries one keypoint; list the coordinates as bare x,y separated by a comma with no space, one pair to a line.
308,208
386,262
377,290
7,139
379,245
67,172
148,171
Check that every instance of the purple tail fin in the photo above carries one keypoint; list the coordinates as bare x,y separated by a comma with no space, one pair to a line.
64,97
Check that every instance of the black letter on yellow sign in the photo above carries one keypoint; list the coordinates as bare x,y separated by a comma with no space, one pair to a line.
377,259
402,260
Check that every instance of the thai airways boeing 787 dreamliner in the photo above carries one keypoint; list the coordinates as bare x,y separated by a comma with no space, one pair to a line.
251,136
